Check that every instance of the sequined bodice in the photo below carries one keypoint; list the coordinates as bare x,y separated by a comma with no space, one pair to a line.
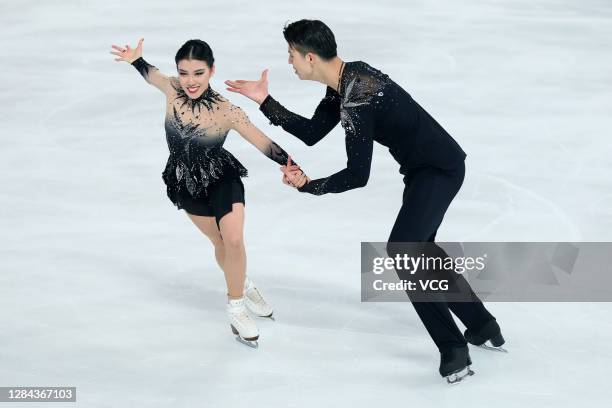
183,137
196,129
195,132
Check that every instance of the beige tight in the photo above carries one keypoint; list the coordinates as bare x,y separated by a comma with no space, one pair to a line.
229,246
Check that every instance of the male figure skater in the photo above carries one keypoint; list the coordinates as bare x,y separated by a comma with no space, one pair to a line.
371,107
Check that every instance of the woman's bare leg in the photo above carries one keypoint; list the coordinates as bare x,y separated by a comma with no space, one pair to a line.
232,231
208,226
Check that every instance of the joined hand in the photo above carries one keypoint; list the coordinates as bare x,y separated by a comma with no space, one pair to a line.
293,175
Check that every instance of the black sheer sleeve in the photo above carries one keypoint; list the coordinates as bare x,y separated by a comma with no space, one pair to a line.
152,75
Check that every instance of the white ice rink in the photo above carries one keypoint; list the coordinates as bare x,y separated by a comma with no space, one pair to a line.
105,286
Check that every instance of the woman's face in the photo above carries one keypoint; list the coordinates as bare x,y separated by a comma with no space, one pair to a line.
194,76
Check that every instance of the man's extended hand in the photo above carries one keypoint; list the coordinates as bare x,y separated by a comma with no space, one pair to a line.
255,90
297,180
293,175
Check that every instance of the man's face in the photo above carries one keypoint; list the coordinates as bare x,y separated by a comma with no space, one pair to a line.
301,63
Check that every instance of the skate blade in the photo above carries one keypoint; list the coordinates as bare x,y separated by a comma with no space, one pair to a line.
270,316
251,343
457,377
488,346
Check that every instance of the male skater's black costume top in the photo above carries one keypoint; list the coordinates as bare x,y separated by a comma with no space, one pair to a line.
371,108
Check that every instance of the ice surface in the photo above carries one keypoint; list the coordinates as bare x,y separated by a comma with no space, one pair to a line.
106,287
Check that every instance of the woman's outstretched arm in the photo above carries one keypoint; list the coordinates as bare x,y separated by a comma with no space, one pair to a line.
150,73
240,122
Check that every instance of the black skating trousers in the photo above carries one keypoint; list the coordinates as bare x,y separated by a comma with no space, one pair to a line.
427,195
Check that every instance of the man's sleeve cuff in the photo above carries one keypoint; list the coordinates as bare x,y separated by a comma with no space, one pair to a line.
262,106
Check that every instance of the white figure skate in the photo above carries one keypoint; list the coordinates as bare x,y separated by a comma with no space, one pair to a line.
241,323
254,300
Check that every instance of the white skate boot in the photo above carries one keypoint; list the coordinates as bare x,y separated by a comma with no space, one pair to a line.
241,323
254,300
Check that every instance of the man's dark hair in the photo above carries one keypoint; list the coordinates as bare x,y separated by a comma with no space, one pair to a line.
195,50
311,36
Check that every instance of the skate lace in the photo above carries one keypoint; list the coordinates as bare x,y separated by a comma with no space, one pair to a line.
241,317
254,295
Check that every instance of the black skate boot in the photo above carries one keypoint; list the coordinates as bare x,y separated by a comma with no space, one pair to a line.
455,364
489,337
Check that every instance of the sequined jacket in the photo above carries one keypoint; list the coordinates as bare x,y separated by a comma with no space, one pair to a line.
371,107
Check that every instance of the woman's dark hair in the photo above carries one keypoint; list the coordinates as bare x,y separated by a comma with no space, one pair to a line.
311,36
195,50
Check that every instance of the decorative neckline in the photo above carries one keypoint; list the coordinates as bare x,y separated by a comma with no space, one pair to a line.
206,100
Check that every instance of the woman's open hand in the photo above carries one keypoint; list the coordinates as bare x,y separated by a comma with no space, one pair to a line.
127,53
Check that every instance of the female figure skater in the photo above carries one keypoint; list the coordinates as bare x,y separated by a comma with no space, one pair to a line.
202,177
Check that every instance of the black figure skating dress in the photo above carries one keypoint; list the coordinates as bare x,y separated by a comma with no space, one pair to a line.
201,176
